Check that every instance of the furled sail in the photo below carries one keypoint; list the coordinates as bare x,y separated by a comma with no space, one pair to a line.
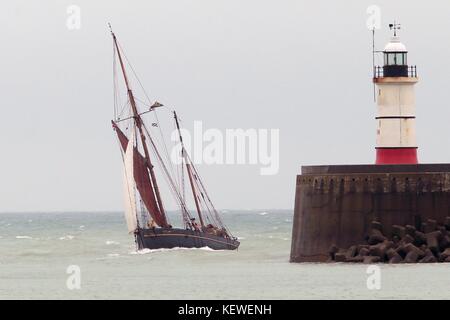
129,187
143,181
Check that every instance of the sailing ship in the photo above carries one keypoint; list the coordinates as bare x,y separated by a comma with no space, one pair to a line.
145,213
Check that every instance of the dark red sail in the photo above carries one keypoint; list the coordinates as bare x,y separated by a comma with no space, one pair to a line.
143,181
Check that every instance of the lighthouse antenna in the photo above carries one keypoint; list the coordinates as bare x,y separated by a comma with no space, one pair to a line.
373,63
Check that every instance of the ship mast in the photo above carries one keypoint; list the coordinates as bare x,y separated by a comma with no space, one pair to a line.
189,171
139,124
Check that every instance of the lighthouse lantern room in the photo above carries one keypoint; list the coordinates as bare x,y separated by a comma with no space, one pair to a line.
396,120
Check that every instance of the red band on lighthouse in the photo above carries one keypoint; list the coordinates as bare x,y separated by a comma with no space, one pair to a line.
397,156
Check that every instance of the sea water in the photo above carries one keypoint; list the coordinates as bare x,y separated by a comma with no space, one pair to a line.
40,252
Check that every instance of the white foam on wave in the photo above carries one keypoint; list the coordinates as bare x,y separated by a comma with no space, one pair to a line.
263,213
241,238
146,251
111,242
143,251
276,238
81,227
23,237
113,255
68,237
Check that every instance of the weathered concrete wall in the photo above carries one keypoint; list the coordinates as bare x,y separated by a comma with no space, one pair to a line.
334,205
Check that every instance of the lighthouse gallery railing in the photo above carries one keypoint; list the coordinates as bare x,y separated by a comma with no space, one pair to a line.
378,72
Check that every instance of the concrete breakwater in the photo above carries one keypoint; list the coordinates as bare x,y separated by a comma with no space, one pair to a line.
341,205
406,244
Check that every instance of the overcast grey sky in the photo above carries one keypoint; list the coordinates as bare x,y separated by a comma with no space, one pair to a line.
301,66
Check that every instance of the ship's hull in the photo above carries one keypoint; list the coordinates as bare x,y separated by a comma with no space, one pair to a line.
160,238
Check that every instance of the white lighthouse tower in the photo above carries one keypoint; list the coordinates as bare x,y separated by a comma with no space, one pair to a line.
396,120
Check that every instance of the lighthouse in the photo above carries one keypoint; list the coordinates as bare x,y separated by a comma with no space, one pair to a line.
338,207
396,119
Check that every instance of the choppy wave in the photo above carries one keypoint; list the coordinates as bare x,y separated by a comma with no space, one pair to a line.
113,255
23,237
35,253
68,237
111,242
263,213
146,251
